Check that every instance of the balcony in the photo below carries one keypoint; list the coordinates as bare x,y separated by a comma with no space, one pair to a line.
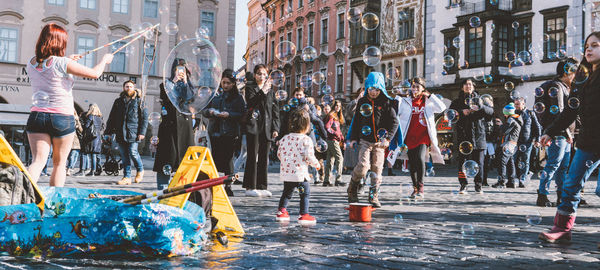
475,6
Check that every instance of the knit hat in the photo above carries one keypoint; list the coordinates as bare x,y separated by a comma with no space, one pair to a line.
509,109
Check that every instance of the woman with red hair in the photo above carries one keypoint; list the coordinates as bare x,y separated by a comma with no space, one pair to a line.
51,122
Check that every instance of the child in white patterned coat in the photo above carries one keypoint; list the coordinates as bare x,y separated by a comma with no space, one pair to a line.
296,153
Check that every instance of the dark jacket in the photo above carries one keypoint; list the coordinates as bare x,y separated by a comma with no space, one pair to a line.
94,146
317,128
472,127
175,135
531,129
511,129
231,103
589,115
383,116
268,111
546,118
128,118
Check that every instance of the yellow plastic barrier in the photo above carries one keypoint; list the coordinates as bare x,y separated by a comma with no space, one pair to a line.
198,159
8,155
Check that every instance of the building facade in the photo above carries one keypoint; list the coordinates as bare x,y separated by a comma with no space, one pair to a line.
256,46
360,39
317,23
500,44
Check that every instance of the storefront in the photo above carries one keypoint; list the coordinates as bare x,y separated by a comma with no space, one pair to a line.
13,119
445,137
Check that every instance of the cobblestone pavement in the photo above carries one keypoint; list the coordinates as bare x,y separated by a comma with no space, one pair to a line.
445,230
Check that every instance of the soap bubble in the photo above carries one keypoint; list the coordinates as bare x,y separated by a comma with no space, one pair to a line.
521,165
543,174
354,14
522,148
285,51
318,78
398,218
262,25
321,146
293,102
154,119
281,95
539,92
487,100
366,110
167,169
493,2
277,78
393,74
589,163
456,42
230,40
465,148
515,25
573,102
328,99
509,86
410,50
255,114
40,99
510,56
201,33
478,75
422,119
470,168
582,75
448,61
370,21
533,217
154,140
451,115
171,28
305,81
286,108
475,103
202,72
539,107
163,9
488,79
474,21
366,130
326,90
554,109
524,56
371,56
467,230
553,92
309,54
382,133
516,94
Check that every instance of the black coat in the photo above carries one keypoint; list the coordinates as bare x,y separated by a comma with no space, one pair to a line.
512,129
268,117
94,146
383,116
546,118
128,119
588,112
472,127
531,129
175,135
230,126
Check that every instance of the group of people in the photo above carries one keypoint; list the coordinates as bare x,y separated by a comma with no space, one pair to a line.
376,122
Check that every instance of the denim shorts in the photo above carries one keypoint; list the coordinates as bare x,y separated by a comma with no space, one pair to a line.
54,124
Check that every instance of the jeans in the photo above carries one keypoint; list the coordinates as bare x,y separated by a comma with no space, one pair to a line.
54,124
573,184
72,159
522,161
557,163
507,165
303,190
93,161
128,152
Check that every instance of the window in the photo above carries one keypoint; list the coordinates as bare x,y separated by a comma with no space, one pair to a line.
300,4
324,31
554,28
56,2
298,76
281,11
85,44
151,70
522,37
290,5
288,83
406,70
502,30
339,80
451,50
406,24
120,60
88,4
8,45
272,50
340,28
121,6
324,71
299,39
289,36
151,8
475,45
274,14
455,2
208,22
521,4
414,68
311,32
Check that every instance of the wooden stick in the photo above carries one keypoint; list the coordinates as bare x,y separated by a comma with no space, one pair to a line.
204,185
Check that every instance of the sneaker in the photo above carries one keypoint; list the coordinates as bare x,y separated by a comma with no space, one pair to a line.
78,174
139,176
307,220
252,193
521,185
124,181
264,193
91,173
327,184
340,184
69,172
510,185
498,185
463,190
282,215
420,195
479,190
414,194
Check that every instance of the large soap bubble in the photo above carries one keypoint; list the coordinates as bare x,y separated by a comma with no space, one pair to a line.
371,56
285,51
191,74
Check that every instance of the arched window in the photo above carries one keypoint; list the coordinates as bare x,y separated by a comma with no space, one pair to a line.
414,68
406,70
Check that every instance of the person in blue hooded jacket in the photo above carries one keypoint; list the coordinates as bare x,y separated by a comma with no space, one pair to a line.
373,127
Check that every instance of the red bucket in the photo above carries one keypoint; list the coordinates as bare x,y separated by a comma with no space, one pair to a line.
360,212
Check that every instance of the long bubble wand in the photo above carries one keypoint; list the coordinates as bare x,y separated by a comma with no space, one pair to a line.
138,33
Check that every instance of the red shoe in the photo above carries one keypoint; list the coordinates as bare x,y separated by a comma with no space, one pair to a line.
307,220
561,232
282,215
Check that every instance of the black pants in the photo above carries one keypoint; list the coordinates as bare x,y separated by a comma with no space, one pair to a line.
507,166
255,174
223,147
303,190
416,165
486,167
478,155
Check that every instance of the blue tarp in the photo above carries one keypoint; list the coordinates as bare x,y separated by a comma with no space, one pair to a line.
73,224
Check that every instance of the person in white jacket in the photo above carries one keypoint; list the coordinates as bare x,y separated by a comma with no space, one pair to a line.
416,117
296,153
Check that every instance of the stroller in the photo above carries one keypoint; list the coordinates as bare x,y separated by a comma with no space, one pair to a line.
111,166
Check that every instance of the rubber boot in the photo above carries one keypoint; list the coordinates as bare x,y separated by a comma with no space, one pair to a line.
561,232
542,200
374,197
353,192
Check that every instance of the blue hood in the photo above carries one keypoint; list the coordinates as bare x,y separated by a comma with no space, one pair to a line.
377,80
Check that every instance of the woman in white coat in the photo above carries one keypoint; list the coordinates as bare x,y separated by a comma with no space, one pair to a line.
416,117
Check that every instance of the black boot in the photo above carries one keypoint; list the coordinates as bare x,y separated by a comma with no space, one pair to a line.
391,172
542,200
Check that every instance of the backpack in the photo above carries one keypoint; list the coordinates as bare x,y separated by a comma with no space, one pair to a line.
15,188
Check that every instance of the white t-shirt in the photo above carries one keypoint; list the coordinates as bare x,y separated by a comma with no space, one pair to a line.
52,79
